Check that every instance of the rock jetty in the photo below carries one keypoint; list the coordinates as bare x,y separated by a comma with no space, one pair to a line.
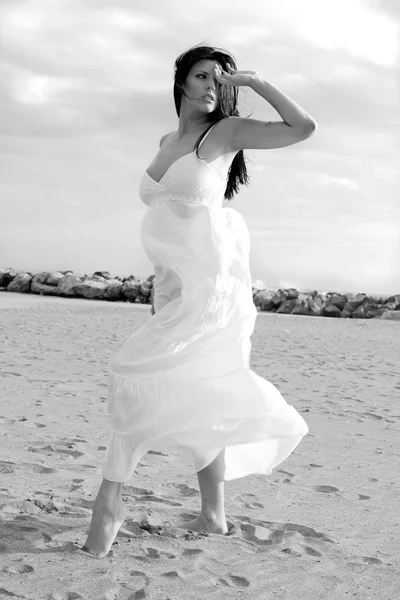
103,286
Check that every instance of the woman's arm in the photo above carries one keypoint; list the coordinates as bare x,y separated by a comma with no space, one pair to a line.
261,135
292,114
242,133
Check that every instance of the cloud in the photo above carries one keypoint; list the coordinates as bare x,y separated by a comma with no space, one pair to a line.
341,25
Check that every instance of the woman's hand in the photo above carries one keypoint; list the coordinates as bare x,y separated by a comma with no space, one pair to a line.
234,78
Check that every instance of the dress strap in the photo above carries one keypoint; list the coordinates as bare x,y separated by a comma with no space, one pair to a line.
212,126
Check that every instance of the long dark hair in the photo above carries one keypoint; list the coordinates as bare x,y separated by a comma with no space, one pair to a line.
227,105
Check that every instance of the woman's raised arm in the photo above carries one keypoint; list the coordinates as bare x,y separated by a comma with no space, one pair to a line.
242,133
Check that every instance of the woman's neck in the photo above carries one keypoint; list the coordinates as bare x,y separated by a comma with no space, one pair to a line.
190,126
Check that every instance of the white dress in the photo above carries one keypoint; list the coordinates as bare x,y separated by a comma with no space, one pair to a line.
184,376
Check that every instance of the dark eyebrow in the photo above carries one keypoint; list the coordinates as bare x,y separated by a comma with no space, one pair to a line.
206,72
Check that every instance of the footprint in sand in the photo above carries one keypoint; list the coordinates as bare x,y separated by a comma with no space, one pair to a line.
368,414
192,552
154,553
281,476
130,490
144,495
174,574
41,469
82,502
169,555
17,569
371,560
236,581
154,498
75,488
6,467
26,530
151,552
132,529
325,489
193,535
246,500
75,507
329,489
252,505
52,449
142,575
142,529
186,490
287,476
290,538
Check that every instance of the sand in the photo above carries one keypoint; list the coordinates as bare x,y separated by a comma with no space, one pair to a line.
324,525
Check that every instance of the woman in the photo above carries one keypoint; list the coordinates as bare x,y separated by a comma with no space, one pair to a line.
184,376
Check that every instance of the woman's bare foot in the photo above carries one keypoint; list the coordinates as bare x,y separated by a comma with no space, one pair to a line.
203,524
103,530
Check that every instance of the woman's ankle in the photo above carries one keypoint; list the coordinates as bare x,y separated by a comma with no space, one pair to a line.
109,501
213,517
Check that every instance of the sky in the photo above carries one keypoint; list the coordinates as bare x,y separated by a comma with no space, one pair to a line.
86,94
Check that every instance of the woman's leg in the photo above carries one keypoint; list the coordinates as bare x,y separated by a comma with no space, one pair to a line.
107,517
212,514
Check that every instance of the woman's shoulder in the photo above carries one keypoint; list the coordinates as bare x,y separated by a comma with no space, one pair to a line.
164,137
224,130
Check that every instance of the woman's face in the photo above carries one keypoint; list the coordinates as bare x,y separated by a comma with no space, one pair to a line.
200,82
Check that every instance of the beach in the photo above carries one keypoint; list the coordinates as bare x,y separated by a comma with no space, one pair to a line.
323,525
